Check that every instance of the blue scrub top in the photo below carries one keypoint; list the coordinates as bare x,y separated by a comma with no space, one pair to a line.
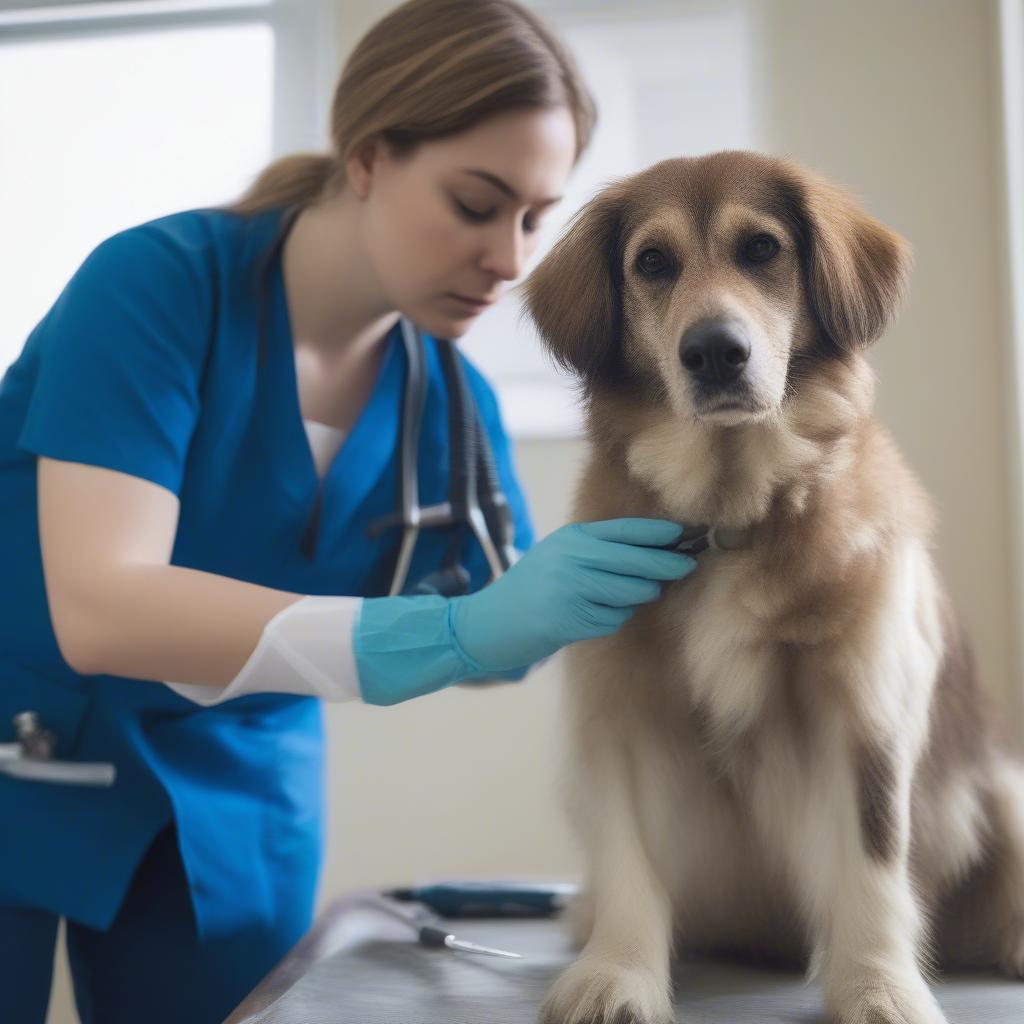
146,364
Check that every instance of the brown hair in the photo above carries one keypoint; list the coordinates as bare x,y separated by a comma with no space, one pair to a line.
428,69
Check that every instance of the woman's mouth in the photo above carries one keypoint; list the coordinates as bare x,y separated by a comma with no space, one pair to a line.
469,302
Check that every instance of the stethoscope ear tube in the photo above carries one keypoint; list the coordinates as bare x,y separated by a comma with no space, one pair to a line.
466,437
414,399
474,494
493,501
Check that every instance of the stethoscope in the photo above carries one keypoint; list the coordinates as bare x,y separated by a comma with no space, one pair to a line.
475,501
475,498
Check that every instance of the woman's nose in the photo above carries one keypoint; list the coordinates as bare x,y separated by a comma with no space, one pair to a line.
506,252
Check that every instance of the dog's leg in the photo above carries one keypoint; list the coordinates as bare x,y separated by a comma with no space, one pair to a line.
982,921
850,855
578,917
622,975
1007,921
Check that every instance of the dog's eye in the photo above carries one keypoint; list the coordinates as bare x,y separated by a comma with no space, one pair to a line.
650,261
760,249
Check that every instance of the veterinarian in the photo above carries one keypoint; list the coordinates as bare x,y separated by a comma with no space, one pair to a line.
199,444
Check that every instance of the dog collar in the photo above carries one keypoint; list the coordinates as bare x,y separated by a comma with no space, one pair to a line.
696,539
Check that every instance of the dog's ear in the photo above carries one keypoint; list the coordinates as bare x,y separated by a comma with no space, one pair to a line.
856,268
575,294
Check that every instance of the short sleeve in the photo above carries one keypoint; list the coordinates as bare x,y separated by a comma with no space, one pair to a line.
120,358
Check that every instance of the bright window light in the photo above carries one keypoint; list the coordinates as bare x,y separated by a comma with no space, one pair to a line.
104,131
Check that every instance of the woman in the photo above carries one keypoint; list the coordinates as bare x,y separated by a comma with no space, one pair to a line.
179,580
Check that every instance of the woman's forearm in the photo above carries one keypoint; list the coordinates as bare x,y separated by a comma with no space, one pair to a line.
165,622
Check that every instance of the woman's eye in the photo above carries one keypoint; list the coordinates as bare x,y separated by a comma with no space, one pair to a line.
760,249
531,224
470,214
651,261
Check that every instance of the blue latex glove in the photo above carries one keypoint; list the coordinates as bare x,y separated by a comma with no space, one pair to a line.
581,581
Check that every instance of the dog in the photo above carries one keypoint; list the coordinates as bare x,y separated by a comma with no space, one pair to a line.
787,755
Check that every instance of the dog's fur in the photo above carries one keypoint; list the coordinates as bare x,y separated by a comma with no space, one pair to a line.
786,755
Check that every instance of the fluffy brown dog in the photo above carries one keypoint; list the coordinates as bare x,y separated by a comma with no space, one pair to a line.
786,754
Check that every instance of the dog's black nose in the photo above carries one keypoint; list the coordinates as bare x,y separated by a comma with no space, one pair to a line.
714,351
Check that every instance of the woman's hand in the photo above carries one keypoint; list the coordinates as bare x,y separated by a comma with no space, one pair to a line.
584,580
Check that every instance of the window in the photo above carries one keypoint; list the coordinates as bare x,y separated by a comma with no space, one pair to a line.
114,113
666,85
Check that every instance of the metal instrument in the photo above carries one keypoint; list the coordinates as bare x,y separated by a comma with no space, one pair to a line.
31,757
429,929
697,539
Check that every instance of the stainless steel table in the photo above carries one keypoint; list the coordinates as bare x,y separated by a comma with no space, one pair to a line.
357,966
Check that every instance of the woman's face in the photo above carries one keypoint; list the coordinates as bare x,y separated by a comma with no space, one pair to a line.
459,216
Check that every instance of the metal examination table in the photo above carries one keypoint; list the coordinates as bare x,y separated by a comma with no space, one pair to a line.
356,966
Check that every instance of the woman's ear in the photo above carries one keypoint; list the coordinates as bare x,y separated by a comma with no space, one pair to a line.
361,162
856,268
575,294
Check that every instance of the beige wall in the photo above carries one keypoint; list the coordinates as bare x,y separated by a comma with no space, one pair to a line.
897,100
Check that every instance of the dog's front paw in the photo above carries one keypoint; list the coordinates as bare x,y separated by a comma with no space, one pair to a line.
889,1002
595,990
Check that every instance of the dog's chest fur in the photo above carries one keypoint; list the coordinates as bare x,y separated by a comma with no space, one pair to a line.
742,637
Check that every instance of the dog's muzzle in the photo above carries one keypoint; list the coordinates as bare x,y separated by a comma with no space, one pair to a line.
714,353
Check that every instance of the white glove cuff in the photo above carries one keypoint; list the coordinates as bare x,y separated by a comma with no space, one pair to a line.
305,649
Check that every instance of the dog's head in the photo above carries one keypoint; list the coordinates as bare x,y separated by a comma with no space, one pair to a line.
707,283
